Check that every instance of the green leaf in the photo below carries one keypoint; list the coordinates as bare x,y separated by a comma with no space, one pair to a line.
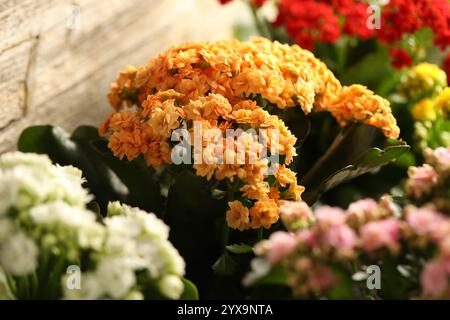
239,248
190,291
354,152
344,288
393,284
276,276
225,265
297,123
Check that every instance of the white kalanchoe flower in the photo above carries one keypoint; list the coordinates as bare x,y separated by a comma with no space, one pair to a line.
135,295
43,212
14,159
171,286
6,229
115,276
18,255
56,214
90,288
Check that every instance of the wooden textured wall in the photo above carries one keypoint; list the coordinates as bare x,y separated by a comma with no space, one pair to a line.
58,57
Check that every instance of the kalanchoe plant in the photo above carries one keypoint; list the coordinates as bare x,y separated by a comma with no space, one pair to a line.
53,247
327,254
273,96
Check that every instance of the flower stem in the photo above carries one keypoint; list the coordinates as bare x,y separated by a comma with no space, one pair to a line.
260,233
260,25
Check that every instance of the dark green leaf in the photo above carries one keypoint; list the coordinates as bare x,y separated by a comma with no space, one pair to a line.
239,248
276,276
225,265
190,291
353,153
195,219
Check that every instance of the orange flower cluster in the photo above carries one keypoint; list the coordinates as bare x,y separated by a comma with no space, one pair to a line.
357,103
148,130
284,75
217,84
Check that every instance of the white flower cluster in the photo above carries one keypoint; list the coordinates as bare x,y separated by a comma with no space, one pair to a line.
135,242
43,212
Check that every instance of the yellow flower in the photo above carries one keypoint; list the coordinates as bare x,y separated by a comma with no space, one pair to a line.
430,71
423,80
443,101
237,216
423,110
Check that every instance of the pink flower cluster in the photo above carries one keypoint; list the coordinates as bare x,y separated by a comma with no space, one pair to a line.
365,233
430,182
430,226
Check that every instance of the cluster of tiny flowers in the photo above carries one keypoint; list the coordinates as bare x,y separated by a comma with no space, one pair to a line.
309,22
135,242
365,233
284,75
424,80
43,215
164,112
430,182
218,85
425,87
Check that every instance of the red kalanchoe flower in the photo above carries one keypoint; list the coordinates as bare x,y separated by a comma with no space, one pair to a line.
399,17
400,58
436,15
446,67
307,21
356,16
224,1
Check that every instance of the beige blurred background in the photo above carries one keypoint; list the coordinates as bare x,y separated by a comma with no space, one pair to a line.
59,57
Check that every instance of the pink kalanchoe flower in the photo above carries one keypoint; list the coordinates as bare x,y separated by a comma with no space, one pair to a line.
424,221
377,234
421,180
367,205
282,244
441,234
341,237
439,158
307,237
434,279
296,215
330,216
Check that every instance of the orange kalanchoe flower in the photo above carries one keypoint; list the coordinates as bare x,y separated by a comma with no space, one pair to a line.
356,103
218,84
148,129
284,75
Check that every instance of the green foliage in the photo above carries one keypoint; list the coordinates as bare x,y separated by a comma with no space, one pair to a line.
190,291
354,152
239,248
